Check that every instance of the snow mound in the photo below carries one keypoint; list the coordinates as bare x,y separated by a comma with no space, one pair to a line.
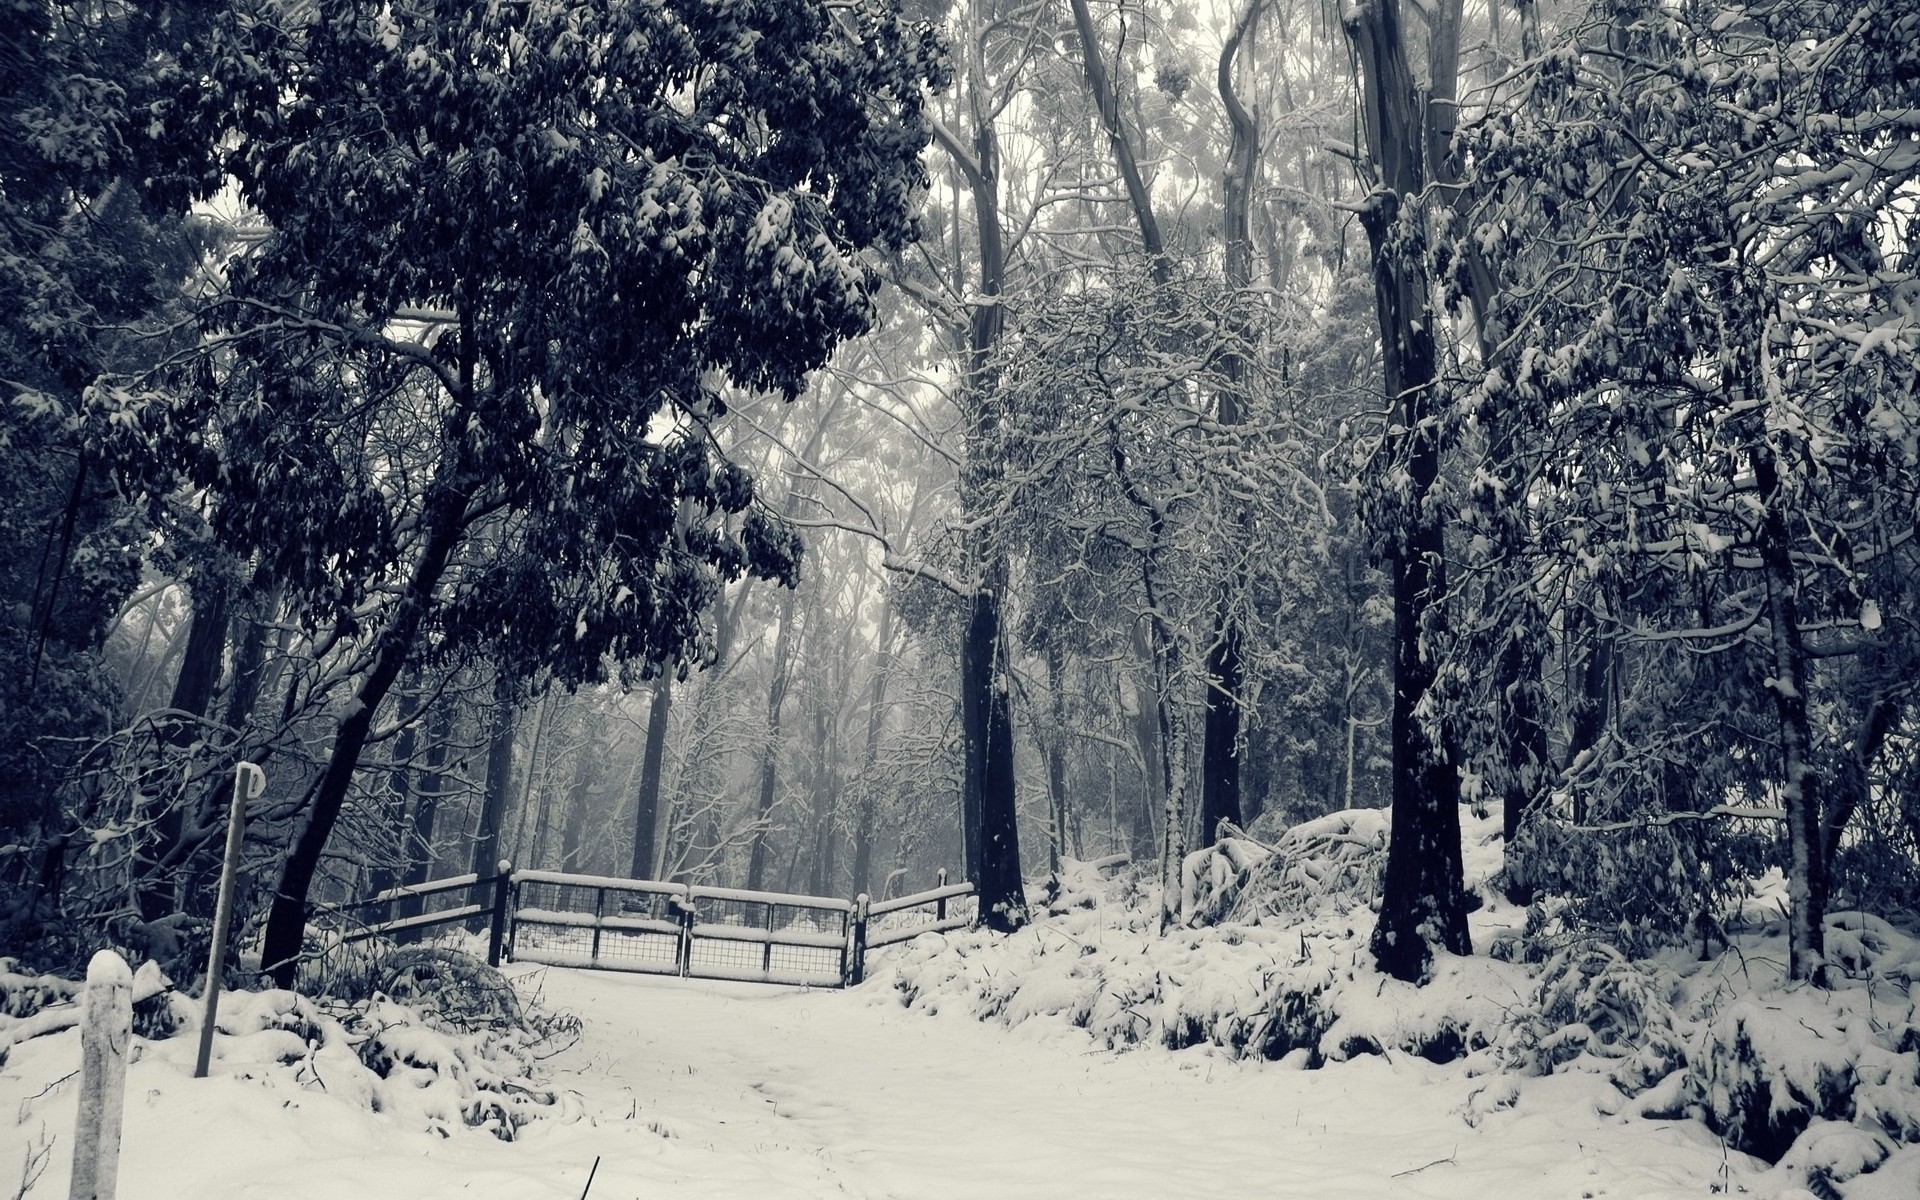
416,1065
1095,960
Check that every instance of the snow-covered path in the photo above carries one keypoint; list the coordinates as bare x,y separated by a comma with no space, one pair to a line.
701,1091
766,1092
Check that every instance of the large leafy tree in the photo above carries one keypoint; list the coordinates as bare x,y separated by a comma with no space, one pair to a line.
1702,215
81,256
457,397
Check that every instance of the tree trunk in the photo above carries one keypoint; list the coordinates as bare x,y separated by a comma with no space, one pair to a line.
1146,738
876,724
393,821
417,847
1003,901
1421,896
493,806
989,824
646,808
160,890
770,749
1056,739
287,921
243,693
1107,101
1592,713
1220,749
976,702
1523,736
1807,870
532,802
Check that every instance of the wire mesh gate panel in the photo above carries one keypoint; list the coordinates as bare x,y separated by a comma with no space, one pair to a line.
598,921
717,933
770,936
672,929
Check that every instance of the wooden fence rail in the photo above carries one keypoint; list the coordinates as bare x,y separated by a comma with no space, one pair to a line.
644,926
489,897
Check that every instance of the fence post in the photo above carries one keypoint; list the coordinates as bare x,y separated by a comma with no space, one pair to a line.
940,905
686,930
255,782
497,934
766,952
106,1032
599,912
857,969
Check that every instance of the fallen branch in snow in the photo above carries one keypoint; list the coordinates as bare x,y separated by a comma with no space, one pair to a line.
1436,1162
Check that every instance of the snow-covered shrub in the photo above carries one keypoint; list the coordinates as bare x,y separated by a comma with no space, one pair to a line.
1830,1153
1766,1074
22,995
1211,879
1641,887
1331,862
159,1011
452,986
1599,1010
479,1079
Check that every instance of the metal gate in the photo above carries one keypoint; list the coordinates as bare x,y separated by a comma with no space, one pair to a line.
611,924
606,923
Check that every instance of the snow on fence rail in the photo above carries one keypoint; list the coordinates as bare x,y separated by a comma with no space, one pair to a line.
677,929
608,923
933,911
487,897
711,932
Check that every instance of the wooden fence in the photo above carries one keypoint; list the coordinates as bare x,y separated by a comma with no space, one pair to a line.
612,924
488,896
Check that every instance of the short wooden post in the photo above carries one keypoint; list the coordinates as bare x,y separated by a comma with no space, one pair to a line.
497,934
940,905
249,781
106,1034
856,971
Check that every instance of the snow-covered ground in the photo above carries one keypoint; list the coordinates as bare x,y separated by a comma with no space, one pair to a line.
698,1090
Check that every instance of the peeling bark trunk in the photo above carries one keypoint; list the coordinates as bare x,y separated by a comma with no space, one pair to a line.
1421,897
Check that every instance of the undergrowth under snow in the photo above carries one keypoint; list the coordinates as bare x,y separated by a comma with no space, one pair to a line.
1275,965
408,1063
